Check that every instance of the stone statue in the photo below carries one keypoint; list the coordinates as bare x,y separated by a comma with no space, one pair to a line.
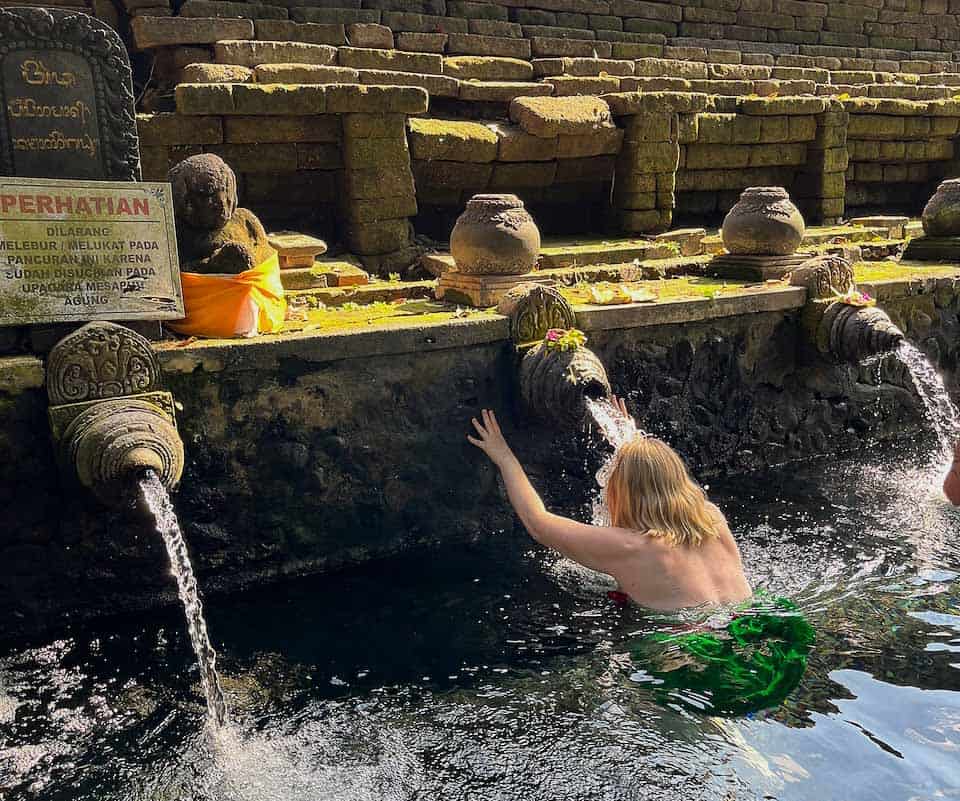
213,235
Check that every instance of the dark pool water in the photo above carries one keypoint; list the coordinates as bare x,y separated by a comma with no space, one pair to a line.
496,672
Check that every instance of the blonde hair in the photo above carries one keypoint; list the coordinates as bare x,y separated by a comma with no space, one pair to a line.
650,490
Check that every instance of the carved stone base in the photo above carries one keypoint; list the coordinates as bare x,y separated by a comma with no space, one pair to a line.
756,268
933,248
483,290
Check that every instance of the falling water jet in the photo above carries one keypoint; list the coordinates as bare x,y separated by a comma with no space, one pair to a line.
155,500
940,409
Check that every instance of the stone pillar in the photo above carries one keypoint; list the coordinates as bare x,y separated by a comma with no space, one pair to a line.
645,179
378,196
821,185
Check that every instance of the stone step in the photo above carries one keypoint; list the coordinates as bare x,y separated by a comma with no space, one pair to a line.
436,85
393,60
234,10
308,32
251,53
501,91
469,44
150,32
488,68
304,73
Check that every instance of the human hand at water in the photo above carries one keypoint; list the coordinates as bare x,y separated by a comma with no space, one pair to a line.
490,439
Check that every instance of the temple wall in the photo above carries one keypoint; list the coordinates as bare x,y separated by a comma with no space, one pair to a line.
307,453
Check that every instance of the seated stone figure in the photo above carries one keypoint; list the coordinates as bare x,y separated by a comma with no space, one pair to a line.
213,235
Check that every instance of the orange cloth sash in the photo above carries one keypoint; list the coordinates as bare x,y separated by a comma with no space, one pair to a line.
246,304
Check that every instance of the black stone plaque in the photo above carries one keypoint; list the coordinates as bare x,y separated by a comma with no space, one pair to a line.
66,98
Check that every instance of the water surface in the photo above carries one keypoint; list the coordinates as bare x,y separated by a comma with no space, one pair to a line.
496,672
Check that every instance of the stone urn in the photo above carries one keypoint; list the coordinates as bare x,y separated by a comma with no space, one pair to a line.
763,223
941,215
495,235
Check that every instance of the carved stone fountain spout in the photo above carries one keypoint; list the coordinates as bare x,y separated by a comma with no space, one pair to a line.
841,322
557,374
110,419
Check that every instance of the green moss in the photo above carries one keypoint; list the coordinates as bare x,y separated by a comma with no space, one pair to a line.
351,316
872,271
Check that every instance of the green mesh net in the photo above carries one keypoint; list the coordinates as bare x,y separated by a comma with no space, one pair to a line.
751,664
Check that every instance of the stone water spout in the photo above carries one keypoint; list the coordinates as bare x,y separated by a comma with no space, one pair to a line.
110,419
841,322
558,373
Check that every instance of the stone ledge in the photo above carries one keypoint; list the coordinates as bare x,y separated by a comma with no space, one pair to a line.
20,373
269,352
688,310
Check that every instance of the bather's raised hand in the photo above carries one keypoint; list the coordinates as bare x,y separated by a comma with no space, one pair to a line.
490,439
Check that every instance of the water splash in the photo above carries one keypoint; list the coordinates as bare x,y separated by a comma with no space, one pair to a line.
154,495
940,409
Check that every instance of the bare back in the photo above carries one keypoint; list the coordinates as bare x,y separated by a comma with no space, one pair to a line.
661,576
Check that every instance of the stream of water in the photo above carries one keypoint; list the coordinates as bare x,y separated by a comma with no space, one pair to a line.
940,409
154,495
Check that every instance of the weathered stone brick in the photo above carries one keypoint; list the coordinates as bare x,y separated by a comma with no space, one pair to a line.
472,45
376,99
501,91
309,32
252,53
665,67
567,85
215,73
204,98
648,128
150,32
488,68
516,144
383,208
435,85
368,58
165,129
370,184
604,142
279,157
452,141
303,73
375,126
452,174
374,238
370,154
334,16
522,175
653,157
584,170
492,27
318,156
226,9
279,99
552,116
258,130
422,42
370,35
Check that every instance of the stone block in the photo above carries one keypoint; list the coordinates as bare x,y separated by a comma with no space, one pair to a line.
669,68
557,32
636,201
215,73
944,126
875,126
492,27
834,159
551,116
252,53
370,184
737,72
604,142
516,144
501,91
642,222
775,155
604,22
226,9
375,126
376,99
586,170
260,130
166,129
375,238
449,140
568,85
309,32
648,128
453,174
547,67
542,46
646,84
384,208
320,155
150,32
488,68
334,16
422,42
688,129
627,103
423,23
204,98
514,176
635,50
303,73
469,44
372,154
705,157
630,183
279,99
802,129
783,105
436,85
591,67
473,10
279,157
370,35
653,157
394,60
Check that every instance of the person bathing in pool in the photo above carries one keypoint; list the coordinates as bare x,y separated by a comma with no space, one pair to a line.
668,547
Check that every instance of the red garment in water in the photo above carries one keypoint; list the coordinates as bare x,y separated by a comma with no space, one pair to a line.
619,598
